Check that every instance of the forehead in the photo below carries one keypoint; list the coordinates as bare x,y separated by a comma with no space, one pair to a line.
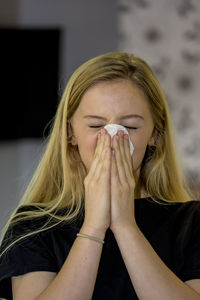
114,98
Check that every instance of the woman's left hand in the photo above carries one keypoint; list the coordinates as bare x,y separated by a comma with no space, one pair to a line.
122,184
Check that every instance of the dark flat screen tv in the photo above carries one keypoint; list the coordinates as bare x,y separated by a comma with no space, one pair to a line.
29,62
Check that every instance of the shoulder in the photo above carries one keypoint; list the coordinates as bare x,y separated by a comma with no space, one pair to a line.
190,206
43,240
33,217
189,210
26,219
31,224
158,213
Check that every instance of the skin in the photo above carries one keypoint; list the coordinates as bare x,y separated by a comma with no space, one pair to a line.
112,100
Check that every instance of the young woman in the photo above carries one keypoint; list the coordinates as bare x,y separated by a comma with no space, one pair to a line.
97,222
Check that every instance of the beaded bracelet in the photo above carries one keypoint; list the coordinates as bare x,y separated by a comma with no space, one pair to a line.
91,238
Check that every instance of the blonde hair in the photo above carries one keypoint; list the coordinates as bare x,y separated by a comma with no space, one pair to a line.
58,180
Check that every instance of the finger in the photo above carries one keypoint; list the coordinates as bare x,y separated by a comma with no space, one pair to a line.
104,163
99,146
96,168
119,162
128,156
120,145
114,170
105,172
121,142
97,155
125,153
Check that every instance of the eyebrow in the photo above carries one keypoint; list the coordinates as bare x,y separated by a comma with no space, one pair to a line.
121,118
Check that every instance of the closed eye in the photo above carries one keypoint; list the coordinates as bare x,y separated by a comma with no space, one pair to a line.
124,126
131,127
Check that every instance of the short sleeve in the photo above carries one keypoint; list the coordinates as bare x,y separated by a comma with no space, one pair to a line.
192,251
30,254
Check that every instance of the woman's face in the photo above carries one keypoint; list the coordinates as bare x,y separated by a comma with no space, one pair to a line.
120,102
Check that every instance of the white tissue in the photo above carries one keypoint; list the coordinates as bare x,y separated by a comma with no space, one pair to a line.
112,129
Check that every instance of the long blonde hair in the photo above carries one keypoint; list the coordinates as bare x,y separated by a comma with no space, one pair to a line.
58,180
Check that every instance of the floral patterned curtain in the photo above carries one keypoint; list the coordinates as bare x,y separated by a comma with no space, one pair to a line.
166,33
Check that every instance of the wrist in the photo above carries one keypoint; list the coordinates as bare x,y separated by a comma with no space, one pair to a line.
93,231
123,228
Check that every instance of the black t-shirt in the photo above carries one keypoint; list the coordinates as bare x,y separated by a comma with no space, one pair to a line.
173,230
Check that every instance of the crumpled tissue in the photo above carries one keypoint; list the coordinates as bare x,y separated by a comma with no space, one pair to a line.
112,129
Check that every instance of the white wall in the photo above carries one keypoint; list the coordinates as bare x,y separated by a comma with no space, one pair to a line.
89,28
18,160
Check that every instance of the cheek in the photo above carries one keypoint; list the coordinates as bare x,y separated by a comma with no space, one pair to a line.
87,147
139,152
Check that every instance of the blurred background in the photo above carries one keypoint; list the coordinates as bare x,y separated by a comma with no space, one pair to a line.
43,42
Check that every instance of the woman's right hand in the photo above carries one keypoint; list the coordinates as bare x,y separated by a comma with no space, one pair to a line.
97,186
